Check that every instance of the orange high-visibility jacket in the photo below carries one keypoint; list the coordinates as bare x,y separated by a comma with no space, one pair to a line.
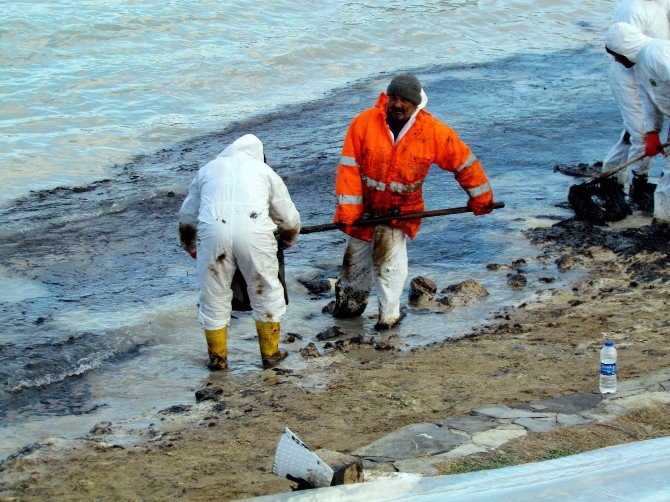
378,178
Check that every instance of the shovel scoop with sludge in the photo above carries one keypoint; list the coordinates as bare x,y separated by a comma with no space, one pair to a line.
602,198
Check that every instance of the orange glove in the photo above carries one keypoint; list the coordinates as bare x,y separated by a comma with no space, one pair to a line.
479,206
653,145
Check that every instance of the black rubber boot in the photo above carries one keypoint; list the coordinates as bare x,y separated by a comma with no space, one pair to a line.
641,192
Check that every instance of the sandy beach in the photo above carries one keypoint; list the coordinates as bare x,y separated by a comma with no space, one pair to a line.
223,448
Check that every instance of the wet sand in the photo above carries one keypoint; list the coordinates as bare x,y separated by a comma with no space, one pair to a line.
222,449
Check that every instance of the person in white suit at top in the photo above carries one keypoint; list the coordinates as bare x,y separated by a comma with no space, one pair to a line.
650,59
651,18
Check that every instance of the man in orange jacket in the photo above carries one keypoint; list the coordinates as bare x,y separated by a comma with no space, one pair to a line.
386,155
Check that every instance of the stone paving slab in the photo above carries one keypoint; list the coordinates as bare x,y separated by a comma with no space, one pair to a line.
418,448
414,440
642,400
569,404
570,420
422,465
538,424
495,438
596,415
461,451
468,423
507,412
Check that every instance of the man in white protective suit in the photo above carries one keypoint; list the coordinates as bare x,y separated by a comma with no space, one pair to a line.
234,206
651,18
650,58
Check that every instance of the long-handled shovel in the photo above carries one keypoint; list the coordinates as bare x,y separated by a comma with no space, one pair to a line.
241,300
383,219
601,198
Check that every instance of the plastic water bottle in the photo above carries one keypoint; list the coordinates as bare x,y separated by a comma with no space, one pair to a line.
607,378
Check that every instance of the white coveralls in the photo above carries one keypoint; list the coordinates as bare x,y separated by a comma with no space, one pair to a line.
652,70
651,18
236,202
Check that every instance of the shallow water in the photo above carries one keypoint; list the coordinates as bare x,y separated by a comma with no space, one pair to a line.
116,332
98,300
84,86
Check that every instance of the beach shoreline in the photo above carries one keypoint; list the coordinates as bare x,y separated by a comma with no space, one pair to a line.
222,448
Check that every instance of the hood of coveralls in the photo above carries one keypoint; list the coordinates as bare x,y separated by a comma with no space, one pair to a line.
247,144
625,39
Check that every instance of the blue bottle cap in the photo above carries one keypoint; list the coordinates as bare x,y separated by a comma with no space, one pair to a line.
609,343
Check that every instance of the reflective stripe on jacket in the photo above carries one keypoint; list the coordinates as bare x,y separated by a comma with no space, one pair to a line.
378,178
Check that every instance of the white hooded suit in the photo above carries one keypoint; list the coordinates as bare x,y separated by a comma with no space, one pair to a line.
652,70
651,18
236,202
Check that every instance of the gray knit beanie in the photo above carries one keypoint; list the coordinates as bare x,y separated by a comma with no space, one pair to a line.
405,86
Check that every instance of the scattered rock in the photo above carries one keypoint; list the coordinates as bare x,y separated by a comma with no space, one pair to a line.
421,291
463,293
177,408
388,344
565,263
317,286
332,332
518,263
309,351
219,407
517,281
292,337
421,285
210,392
344,345
422,294
102,428
328,309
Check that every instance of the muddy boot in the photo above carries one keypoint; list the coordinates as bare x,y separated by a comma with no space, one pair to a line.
381,326
268,340
217,349
641,192
349,302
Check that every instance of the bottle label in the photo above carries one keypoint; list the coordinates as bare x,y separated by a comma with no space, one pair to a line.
608,369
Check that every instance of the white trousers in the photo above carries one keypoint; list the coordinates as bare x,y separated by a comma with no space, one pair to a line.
662,192
221,250
624,88
383,260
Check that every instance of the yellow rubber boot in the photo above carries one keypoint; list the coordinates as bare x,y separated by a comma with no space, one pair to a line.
268,340
217,349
